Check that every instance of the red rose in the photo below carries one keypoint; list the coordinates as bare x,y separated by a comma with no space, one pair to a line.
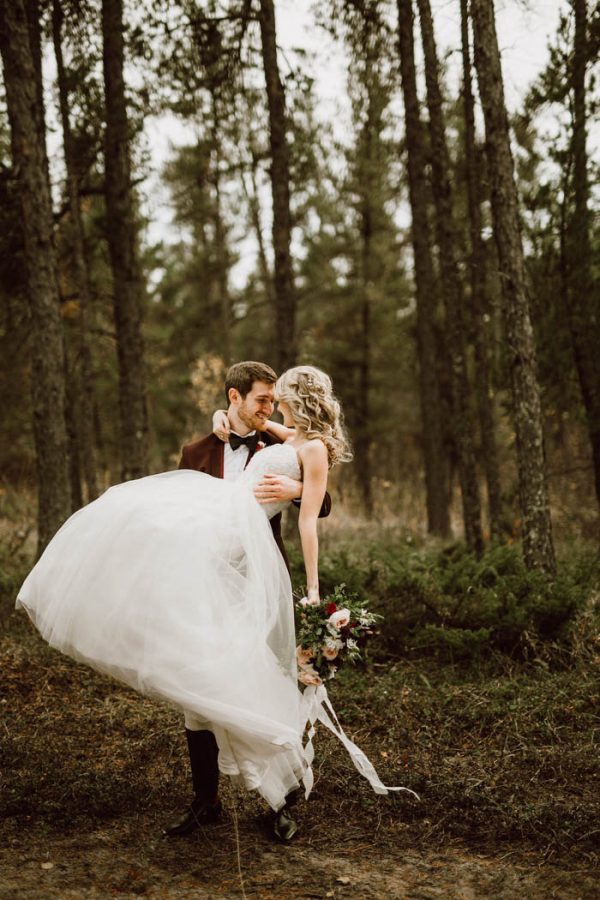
330,609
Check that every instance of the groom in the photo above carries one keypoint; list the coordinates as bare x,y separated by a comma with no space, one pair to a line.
249,388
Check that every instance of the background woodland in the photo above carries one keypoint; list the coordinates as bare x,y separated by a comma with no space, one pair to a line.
441,261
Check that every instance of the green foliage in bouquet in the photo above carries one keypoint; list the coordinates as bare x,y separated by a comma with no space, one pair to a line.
330,632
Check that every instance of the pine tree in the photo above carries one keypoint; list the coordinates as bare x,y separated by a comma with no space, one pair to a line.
462,425
285,298
479,299
537,532
84,401
21,58
583,291
437,492
128,285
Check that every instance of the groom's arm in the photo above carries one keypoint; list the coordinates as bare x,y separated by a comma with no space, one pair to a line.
281,487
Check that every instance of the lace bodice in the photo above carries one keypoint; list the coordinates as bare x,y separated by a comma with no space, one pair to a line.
278,459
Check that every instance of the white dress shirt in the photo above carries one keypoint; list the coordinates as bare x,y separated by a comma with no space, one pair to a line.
235,461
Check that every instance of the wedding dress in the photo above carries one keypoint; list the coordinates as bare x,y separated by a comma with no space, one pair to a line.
174,585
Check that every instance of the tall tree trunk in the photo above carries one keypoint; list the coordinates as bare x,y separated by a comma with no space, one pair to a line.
363,407
479,298
73,433
222,271
368,177
85,381
583,293
252,198
220,239
128,287
463,425
436,465
285,310
30,166
563,216
538,548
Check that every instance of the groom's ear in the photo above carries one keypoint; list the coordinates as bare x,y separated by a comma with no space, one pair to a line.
233,395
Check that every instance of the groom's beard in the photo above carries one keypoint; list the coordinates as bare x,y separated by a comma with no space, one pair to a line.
252,421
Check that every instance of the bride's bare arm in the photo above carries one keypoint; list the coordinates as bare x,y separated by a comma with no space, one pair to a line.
313,455
222,427
281,432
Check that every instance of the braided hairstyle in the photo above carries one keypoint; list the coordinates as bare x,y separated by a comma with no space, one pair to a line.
316,412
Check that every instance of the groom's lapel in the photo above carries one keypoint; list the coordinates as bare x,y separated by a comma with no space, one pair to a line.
210,456
217,458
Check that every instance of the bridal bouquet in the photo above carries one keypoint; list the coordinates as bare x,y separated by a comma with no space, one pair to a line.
329,632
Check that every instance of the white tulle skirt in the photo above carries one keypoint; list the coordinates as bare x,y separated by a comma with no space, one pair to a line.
174,585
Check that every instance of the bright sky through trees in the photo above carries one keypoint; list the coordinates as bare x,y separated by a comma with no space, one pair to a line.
525,29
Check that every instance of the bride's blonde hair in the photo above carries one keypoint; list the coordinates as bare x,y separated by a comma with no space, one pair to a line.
316,412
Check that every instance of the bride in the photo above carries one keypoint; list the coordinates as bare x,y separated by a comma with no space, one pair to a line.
174,584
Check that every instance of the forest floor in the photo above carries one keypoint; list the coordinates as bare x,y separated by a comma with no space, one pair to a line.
505,761
127,860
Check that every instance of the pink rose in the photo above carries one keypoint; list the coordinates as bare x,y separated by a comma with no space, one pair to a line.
304,655
309,676
340,618
329,651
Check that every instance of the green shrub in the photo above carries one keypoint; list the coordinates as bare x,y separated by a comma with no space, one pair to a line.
448,602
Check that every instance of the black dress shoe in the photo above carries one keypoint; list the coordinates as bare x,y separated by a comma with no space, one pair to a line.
198,814
284,827
292,798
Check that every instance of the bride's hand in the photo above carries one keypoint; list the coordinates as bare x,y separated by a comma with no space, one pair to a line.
313,595
221,426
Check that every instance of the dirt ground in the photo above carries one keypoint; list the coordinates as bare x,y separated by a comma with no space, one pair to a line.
131,859
506,769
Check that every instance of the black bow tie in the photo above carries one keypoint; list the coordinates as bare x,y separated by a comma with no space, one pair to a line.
251,440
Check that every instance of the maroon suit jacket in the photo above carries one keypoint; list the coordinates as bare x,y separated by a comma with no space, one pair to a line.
207,455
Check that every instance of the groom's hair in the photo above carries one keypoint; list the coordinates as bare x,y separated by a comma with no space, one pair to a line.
242,376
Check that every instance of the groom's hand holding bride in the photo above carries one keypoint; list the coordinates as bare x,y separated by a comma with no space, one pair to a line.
271,487
277,487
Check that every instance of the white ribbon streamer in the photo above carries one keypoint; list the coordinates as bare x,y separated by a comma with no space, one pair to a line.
316,703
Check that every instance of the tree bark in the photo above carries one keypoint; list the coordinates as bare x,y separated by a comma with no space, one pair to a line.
221,259
128,287
583,293
436,465
462,425
362,443
538,548
73,433
220,241
285,309
369,190
252,198
26,115
85,381
479,298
